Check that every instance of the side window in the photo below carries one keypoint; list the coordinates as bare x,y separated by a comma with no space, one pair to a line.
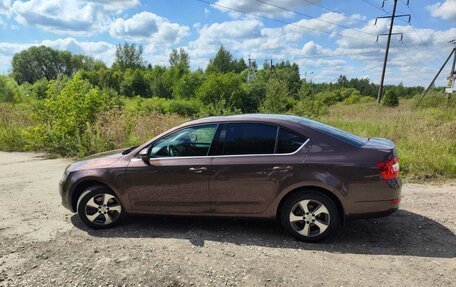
248,138
288,141
191,141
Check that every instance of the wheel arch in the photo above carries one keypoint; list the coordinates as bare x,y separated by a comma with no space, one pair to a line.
332,196
83,185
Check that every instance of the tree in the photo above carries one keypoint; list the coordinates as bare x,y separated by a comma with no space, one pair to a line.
160,81
134,84
41,62
179,61
305,90
220,92
187,86
342,81
255,92
239,65
390,99
128,56
277,98
222,62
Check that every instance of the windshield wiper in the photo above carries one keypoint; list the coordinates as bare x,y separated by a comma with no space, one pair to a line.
127,151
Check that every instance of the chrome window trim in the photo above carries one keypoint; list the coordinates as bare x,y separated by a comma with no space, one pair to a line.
239,155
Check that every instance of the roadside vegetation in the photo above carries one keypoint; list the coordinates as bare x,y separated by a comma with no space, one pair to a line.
72,105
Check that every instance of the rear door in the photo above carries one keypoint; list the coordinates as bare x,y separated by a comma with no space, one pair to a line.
250,164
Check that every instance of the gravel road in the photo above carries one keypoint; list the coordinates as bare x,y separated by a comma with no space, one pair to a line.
43,244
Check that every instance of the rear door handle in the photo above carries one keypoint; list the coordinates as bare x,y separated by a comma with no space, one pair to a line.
197,169
282,168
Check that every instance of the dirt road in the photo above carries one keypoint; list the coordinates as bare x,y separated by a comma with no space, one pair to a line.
41,243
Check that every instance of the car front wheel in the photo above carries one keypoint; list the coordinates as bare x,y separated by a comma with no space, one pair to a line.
98,207
310,216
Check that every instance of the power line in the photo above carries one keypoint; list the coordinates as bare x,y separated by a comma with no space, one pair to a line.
277,20
409,53
311,17
321,6
418,19
375,6
370,53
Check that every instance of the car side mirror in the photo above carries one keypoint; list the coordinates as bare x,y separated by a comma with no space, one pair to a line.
144,155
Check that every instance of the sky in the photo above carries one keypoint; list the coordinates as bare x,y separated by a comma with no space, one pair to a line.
325,38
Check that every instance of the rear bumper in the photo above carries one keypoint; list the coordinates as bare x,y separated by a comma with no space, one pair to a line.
375,214
379,199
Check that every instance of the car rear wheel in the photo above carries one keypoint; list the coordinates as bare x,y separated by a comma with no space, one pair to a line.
98,207
310,216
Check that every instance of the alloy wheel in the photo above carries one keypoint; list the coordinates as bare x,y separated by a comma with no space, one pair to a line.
309,217
103,209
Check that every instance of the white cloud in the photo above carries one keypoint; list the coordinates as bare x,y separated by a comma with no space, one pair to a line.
5,6
445,10
69,17
258,8
249,36
116,5
148,27
238,36
100,50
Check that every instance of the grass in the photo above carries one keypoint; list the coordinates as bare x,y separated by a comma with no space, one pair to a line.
14,120
425,138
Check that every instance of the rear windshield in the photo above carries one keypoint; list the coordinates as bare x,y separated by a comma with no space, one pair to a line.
335,132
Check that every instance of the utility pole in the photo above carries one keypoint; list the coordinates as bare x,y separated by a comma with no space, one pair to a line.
380,90
390,33
271,68
451,77
251,76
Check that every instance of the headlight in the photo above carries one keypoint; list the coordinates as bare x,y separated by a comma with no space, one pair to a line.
65,174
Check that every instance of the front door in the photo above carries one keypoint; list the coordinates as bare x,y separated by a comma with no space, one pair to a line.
177,178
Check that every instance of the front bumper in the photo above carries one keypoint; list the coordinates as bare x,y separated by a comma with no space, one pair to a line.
64,191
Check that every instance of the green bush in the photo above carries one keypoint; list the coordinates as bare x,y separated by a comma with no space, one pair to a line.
184,107
63,117
278,99
9,91
390,99
221,93
310,107
435,99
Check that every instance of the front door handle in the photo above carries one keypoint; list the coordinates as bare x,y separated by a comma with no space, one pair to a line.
197,169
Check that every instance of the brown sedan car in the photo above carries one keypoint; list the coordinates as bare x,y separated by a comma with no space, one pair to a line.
308,175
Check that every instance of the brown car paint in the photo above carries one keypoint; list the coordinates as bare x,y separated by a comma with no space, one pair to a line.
244,185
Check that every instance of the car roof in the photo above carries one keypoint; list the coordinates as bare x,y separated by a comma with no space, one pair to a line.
271,118
290,121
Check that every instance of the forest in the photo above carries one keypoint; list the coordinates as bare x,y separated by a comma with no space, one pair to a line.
72,105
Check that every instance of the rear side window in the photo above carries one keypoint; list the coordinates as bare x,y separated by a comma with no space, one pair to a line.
335,132
248,138
288,141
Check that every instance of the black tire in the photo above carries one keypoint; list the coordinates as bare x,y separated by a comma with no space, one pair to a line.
328,217
110,210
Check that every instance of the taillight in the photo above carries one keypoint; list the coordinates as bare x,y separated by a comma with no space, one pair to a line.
389,169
